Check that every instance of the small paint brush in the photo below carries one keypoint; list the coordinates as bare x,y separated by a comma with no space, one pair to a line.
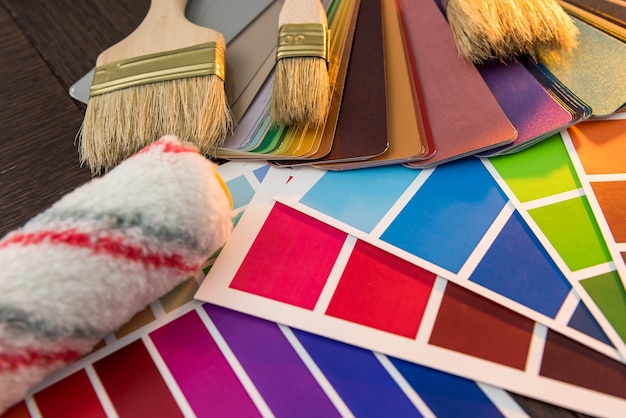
500,30
166,77
301,91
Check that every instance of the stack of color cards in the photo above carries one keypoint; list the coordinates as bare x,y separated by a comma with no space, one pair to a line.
406,112
402,94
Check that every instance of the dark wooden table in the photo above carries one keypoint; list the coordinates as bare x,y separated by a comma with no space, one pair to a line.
45,47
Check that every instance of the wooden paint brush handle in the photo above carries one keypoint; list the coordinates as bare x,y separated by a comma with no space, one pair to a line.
165,28
302,11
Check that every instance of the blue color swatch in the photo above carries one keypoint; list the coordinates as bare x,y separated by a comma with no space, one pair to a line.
358,377
447,217
583,321
447,395
260,172
518,267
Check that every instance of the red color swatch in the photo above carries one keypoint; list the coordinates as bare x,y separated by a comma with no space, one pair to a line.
379,290
71,397
290,259
134,384
571,362
470,324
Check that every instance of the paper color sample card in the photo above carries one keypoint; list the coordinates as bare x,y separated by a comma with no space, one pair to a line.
594,71
597,149
409,136
543,184
463,114
180,357
285,266
460,208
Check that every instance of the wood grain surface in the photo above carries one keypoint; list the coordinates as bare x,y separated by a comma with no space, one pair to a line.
46,46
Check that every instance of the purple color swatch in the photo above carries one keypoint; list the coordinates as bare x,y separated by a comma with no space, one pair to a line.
288,387
529,107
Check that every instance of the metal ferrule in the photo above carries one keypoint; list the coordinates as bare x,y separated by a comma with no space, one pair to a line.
198,60
302,40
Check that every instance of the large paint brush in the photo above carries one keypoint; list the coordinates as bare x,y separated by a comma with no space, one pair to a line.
301,91
500,30
166,77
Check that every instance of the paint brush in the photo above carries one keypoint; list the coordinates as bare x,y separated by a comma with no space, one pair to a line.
166,77
301,91
499,30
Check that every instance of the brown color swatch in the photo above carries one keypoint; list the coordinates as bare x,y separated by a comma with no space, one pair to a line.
470,324
571,362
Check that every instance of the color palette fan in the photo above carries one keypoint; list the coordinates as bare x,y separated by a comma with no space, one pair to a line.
486,110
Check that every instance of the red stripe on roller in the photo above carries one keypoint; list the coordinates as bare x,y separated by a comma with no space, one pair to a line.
168,146
112,246
29,358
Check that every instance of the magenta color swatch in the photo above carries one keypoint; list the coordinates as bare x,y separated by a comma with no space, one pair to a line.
200,369
290,259
71,397
379,290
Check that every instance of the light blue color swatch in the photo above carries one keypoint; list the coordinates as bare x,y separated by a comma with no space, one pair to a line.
241,191
359,198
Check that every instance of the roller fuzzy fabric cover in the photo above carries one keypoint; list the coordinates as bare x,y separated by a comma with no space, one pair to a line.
85,266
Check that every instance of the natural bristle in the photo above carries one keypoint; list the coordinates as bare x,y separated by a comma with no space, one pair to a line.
301,92
120,123
488,30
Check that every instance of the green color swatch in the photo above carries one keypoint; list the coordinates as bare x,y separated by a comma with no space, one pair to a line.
608,293
573,231
542,170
